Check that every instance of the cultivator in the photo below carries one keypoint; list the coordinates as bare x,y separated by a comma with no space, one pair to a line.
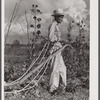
34,73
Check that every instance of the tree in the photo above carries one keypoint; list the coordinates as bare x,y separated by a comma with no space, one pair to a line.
16,43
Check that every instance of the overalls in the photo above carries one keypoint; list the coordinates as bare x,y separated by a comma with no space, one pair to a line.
59,68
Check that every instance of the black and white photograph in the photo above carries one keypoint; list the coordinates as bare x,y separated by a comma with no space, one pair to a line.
46,50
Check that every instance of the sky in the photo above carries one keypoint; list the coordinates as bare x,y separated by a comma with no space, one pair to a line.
77,9
47,6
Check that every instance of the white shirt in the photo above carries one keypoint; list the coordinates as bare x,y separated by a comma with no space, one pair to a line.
54,32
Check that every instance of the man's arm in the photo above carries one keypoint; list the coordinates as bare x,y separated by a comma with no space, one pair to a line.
51,32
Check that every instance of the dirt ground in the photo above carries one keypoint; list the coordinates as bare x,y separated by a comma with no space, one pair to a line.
42,93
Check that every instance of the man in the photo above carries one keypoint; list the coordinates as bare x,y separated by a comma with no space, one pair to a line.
58,66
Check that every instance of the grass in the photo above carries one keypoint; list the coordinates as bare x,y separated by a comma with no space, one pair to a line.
77,63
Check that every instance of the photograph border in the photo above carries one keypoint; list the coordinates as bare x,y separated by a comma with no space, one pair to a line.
94,50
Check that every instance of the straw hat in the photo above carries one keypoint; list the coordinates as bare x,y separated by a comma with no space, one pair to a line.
58,12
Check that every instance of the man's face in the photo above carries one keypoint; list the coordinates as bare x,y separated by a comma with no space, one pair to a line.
59,19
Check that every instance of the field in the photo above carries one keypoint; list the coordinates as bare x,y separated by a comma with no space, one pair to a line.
76,61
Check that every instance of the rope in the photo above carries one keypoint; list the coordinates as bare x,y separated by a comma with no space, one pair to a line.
40,69
36,75
39,78
42,63
40,66
33,62
44,53
44,71
16,91
28,75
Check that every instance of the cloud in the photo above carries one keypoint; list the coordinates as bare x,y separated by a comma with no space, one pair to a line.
75,8
47,5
